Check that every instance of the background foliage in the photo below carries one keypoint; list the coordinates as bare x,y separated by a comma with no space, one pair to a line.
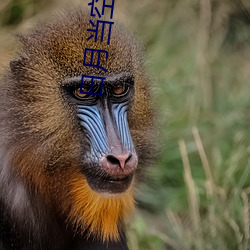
198,51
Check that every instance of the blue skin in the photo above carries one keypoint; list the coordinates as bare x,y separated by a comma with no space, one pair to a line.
91,119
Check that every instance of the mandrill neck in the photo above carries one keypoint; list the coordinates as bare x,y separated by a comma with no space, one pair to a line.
27,224
94,245
51,237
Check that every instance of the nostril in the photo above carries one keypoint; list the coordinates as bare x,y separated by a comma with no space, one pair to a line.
124,163
127,160
113,160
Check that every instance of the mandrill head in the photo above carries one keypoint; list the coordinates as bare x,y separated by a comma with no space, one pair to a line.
81,154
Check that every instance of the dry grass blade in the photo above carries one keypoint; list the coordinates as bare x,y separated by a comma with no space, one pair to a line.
192,197
246,220
204,159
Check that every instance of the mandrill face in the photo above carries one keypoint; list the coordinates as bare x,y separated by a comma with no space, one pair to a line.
111,161
80,154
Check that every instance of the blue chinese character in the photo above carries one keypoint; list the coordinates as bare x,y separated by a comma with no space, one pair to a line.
91,85
103,7
91,59
96,30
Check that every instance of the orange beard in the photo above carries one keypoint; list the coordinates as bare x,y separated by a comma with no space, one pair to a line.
96,212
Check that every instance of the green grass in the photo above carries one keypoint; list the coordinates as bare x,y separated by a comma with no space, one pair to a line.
198,194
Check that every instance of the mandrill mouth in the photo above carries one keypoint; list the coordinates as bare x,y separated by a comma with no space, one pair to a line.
104,183
113,174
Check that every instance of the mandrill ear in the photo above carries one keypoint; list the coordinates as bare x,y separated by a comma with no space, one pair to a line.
15,64
19,63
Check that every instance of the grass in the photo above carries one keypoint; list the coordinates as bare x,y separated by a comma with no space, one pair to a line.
198,196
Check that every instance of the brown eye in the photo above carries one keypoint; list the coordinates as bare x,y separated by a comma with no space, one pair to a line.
119,90
81,95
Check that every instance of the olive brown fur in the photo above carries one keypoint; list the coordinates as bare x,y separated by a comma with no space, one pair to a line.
46,201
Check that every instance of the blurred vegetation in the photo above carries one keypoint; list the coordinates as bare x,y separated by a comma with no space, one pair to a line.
14,12
197,193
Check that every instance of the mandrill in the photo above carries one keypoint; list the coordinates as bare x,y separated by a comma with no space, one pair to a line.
70,161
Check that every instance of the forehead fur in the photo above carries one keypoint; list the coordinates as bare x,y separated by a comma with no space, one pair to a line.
60,45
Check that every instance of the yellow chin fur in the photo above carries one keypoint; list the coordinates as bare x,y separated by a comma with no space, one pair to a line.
96,212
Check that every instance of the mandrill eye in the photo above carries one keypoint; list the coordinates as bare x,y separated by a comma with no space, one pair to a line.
80,95
119,90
